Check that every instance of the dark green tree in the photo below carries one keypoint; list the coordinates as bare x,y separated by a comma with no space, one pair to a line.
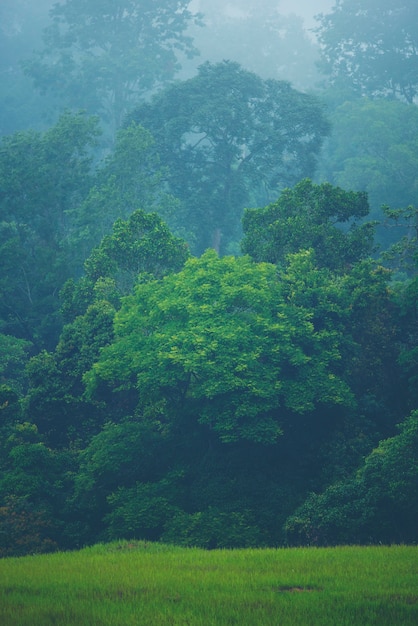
231,139
138,249
43,178
372,45
14,354
373,147
379,504
34,483
321,217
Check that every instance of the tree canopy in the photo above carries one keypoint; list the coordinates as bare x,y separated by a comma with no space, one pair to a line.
231,139
372,44
218,342
211,400
373,147
103,56
306,216
43,178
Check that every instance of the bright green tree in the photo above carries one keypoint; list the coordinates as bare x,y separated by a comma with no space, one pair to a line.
218,342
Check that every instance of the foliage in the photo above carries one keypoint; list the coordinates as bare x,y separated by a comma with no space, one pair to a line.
372,45
33,482
105,56
218,341
403,254
310,216
405,295
373,147
43,176
117,458
371,361
143,510
214,529
140,246
13,358
130,178
379,504
25,528
230,138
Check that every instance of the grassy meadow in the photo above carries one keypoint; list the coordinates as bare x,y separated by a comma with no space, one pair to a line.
134,583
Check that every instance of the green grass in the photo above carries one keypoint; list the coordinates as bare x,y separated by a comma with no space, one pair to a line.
140,583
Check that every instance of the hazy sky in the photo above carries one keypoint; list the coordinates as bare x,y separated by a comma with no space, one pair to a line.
306,8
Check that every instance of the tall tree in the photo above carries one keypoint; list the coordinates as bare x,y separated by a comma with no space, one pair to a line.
129,178
104,55
231,139
138,249
372,44
43,177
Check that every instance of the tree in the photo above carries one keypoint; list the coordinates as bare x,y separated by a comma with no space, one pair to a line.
373,147
372,44
379,504
104,56
129,178
14,354
33,485
43,177
310,216
230,139
217,342
140,248
403,254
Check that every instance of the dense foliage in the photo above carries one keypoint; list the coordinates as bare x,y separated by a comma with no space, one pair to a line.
260,392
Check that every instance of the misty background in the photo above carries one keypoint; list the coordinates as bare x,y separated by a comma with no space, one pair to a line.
273,39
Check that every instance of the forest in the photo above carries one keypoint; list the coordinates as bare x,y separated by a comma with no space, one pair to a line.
209,274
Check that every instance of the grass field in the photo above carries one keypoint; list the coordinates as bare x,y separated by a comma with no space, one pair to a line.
135,583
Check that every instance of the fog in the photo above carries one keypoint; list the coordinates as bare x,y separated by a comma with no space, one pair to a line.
306,9
270,38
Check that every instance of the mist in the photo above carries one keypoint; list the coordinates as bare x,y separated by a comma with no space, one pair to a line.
306,9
